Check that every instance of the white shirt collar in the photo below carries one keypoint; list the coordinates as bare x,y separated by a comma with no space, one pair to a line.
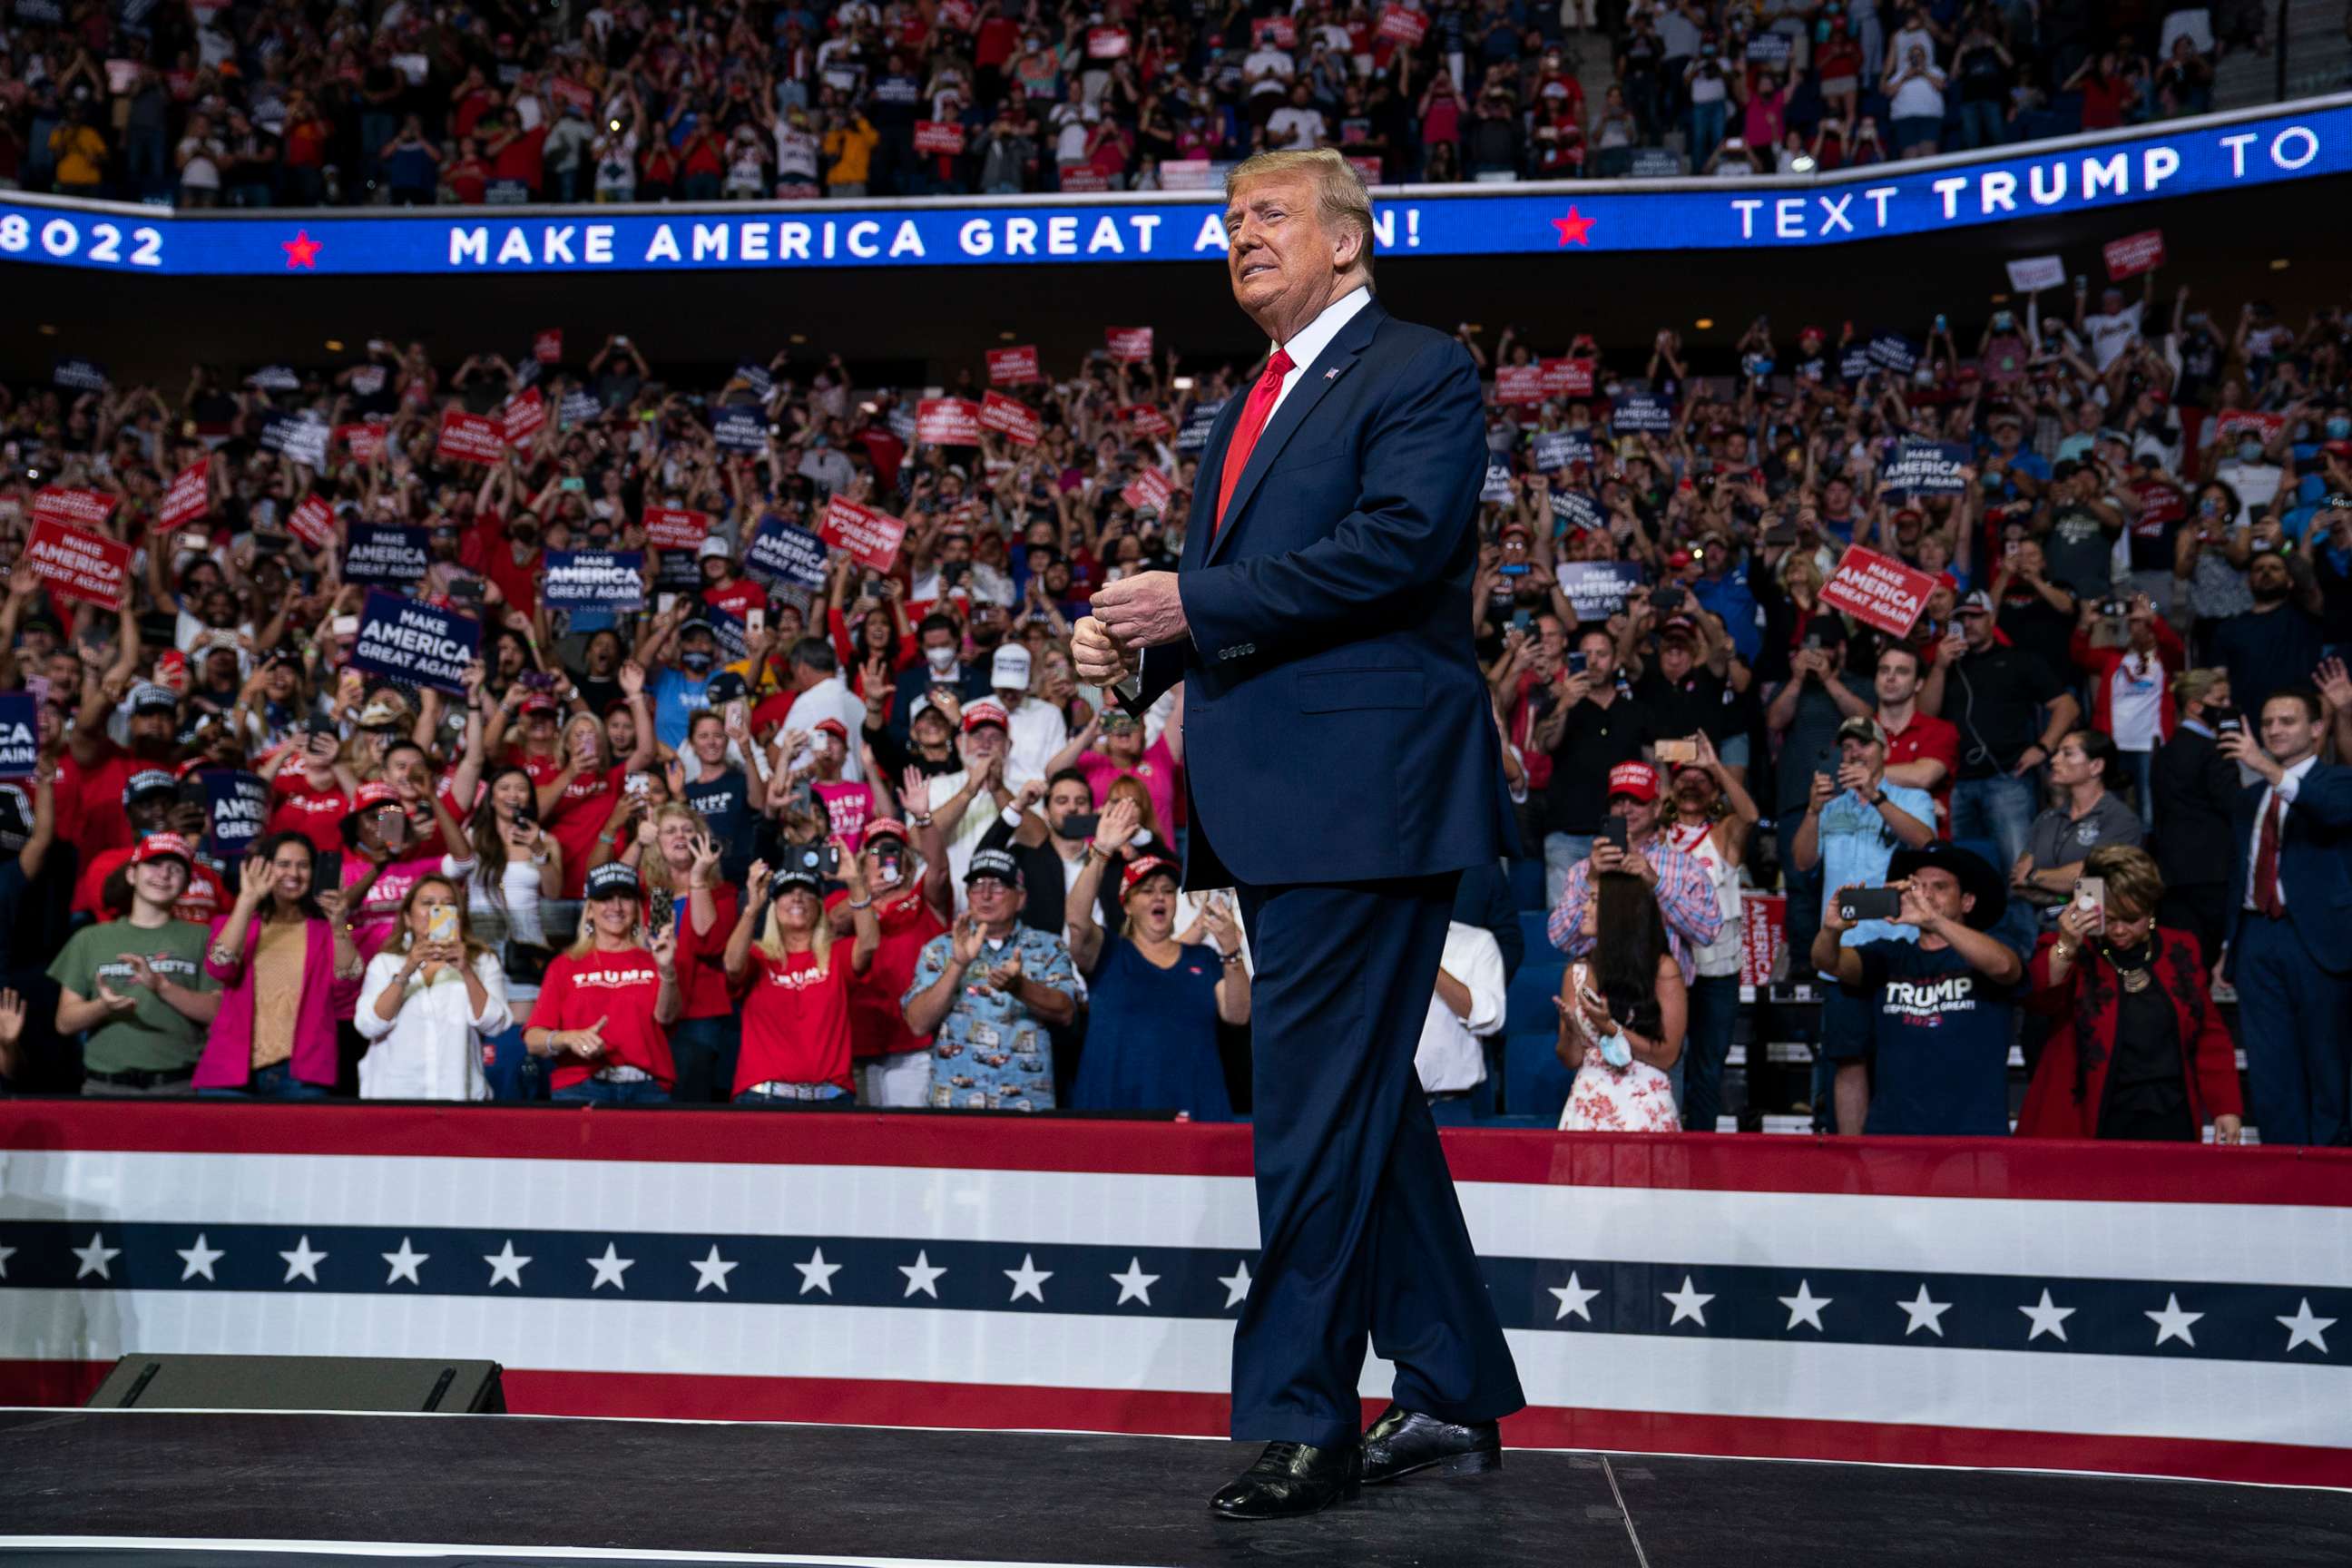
1316,336
2296,773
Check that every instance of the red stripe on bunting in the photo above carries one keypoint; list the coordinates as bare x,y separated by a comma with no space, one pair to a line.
2047,1170
882,1402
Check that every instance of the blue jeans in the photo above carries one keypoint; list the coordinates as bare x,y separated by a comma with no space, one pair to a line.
1563,852
2140,768
702,1054
2000,809
596,1091
1707,121
514,1074
778,1102
1803,887
1707,1044
1980,124
276,1082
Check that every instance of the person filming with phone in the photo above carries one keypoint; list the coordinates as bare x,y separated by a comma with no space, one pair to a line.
1629,843
1855,821
428,1000
2138,1050
1939,1009
2290,943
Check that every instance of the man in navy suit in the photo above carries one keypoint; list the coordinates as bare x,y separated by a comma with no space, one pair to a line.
1344,769
2291,924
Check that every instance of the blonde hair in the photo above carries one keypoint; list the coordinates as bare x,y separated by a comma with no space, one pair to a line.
653,871
2191,685
771,936
1340,199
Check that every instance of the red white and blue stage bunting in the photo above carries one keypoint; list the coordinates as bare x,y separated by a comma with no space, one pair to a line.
2073,1306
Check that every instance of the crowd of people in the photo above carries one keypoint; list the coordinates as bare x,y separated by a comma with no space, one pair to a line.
208,105
850,830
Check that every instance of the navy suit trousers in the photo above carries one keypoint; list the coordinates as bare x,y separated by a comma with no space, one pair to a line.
1360,1232
2293,1015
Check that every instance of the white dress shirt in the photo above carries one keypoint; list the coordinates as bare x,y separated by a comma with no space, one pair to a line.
1034,735
432,1049
1449,1057
1316,336
2285,790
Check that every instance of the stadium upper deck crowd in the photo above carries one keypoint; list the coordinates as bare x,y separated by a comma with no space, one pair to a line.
2148,531
303,104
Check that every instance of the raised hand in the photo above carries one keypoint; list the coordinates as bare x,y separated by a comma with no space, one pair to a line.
2335,684
705,868
253,882
664,948
632,679
1117,825
964,944
334,905
1224,929
915,793
763,876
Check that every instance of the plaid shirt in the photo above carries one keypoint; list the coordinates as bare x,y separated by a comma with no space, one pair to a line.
1686,897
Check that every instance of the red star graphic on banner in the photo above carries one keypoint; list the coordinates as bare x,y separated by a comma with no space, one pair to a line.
301,251
1574,226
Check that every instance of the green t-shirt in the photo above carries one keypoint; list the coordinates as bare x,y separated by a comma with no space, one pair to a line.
154,1036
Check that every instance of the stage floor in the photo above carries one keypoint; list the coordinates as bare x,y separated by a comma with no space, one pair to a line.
130,1489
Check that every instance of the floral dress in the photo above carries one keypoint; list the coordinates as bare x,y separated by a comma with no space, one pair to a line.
1634,1099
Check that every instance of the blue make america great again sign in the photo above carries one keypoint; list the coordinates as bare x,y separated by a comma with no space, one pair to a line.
2187,158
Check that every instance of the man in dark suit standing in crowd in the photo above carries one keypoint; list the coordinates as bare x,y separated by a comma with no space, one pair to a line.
2291,912
1343,768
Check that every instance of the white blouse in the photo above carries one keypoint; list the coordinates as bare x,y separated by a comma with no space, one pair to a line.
433,1051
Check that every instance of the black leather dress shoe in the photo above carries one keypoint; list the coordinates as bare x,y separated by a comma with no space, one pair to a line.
1404,1441
1292,1478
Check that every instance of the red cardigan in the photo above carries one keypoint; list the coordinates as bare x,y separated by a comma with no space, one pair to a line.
2070,1081
2101,662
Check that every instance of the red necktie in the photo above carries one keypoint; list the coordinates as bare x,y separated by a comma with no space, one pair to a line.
1246,432
2266,866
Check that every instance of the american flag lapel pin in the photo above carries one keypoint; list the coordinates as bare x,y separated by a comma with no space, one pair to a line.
1331,374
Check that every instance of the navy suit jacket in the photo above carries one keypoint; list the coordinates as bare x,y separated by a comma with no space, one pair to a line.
1336,727
2314,864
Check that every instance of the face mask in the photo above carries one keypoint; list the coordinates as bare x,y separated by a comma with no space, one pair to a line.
2249,451
941,659
2338,429
698,659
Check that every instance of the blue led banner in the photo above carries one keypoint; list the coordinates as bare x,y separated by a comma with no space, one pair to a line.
2185,158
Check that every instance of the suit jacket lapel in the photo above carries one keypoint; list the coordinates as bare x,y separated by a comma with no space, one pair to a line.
1206,478
1317,380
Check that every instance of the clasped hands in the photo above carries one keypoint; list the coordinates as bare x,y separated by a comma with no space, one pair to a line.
1126,618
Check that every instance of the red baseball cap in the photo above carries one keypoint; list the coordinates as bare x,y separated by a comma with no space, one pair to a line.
540,702
373,793
885,828
163,847
980,713
1147,865
1635,778
835,728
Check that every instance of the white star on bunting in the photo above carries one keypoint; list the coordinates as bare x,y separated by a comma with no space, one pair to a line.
1688,1302
2303,1328
95,1258
505,1265
609,1268
1236,1284
1804,1307
1574,1297
921,1276
302,1263
1923,1313
1029,1279
1134,1285
199,1259
2172,1323
816,1274
711,1270
2049,1317
404,1263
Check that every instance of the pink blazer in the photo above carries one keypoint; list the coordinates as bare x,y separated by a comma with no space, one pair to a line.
229,1049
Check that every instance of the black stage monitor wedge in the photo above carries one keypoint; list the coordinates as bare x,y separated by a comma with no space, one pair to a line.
300,1383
